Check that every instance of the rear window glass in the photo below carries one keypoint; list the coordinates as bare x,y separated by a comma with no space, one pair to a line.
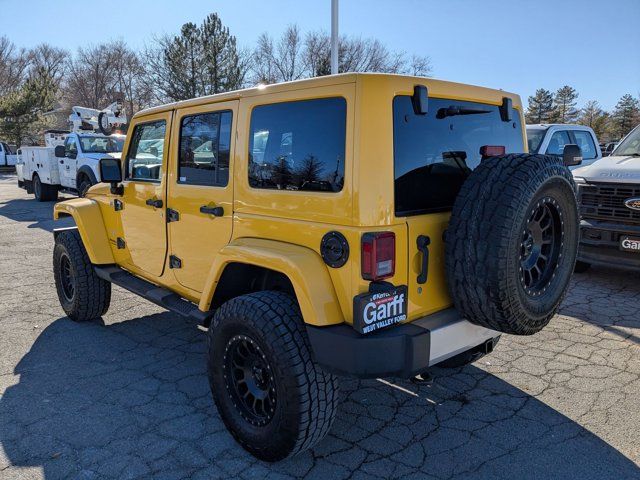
534,138
298,145
434,153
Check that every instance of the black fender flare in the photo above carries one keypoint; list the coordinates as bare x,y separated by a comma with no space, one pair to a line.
86,170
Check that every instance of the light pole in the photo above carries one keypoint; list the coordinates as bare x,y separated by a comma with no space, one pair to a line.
334,37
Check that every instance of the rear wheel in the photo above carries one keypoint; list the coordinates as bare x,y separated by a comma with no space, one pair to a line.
511,243
270,394
43,191
83,295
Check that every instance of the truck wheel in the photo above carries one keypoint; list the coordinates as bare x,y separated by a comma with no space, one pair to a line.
83,295
511,242
42,191
271,395
581,267
84,185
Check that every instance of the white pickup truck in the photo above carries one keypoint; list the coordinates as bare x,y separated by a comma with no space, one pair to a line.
7,157
68,162
550,139
609,195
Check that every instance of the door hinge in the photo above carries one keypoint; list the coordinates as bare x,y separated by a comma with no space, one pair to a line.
117,205
174,262
120,243
172,215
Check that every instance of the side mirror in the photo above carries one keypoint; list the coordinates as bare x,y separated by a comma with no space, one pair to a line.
110,172
59,151
572,155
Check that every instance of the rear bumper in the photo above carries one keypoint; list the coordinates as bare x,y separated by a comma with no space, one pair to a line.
599,244
401,351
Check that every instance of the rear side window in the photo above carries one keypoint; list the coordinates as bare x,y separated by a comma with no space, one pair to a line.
534,138
144,159
205,141
557,142
298,145
585,141
434,153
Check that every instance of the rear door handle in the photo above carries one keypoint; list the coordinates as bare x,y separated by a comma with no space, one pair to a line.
423,245
216,211
155,203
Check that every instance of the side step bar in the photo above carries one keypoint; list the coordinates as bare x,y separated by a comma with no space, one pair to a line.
158,295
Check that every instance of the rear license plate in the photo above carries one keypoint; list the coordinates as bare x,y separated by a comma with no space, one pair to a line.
374,311
630,244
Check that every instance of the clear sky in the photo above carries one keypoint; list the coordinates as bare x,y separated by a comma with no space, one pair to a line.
516,45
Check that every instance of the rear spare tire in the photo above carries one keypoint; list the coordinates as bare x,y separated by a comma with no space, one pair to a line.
511,242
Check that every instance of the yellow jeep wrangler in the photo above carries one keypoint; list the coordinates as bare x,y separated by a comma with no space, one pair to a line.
368,225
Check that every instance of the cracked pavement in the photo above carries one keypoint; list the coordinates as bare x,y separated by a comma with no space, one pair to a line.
129,398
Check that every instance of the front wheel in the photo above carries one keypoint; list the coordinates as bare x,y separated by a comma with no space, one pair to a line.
271,395
83,295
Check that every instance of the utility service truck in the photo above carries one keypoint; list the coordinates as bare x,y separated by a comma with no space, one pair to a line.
69,160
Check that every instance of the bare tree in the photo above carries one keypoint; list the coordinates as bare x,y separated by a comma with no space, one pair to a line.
292,58
13,65
92,77
48,60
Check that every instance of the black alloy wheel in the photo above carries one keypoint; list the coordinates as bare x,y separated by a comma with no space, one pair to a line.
67,279
541,246
249,380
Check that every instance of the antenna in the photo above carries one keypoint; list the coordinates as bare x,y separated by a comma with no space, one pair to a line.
334,37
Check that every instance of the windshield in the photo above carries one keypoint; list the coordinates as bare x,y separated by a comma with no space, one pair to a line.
534,138
630,145
92,144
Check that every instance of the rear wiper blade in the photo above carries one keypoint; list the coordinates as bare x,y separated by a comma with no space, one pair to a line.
452,111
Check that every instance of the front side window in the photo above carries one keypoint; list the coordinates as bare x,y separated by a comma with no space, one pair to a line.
205,143
94,144
585,141
70,148
298,145
144,160
434,153
557,142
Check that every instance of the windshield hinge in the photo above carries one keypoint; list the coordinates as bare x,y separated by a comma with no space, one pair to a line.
172,215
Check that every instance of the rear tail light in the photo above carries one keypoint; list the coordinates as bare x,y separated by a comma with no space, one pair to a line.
378,255
492,150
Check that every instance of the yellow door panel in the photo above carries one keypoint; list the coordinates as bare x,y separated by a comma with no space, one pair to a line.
431,296
201,188
143,210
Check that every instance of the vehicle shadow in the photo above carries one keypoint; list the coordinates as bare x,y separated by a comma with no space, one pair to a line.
131,399
38,214
607,298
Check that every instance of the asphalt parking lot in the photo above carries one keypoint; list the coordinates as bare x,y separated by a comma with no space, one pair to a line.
128,397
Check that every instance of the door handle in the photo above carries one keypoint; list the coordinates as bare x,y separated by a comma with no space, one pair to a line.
423,242
216,211
155,203
62,161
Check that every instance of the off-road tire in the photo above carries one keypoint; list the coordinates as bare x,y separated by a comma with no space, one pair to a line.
306,397
485,242
85,184
581,267
43,191
91,295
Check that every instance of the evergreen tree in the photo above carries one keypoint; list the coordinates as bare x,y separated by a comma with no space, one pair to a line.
21,111
595,117
625,115
564,105
540,106
201,60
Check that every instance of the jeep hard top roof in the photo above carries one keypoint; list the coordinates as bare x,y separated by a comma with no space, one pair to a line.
437,88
